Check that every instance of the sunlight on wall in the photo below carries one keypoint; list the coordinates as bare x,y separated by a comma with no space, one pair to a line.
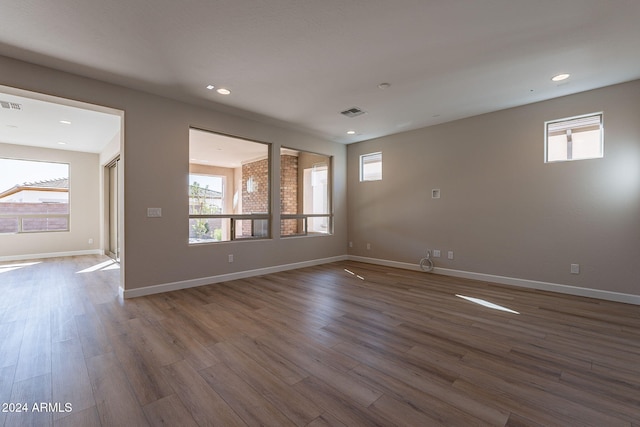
623,178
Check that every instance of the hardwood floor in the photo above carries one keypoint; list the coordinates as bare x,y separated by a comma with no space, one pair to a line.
311,347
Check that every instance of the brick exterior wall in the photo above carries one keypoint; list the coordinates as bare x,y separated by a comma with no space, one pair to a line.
256,201
288,193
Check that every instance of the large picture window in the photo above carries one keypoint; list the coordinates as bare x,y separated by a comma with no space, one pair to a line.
34,196
228,188
305,193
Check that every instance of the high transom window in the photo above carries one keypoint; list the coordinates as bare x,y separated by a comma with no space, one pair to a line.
574,138
371,167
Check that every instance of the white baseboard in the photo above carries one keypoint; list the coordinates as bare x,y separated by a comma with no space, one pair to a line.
51,255
512,281
184,284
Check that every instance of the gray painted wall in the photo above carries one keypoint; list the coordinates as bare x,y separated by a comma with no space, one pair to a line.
502,210
156,168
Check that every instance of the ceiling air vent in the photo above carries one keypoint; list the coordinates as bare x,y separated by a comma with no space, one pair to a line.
352,112
11,105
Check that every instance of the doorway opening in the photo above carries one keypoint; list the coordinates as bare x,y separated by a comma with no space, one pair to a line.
89,139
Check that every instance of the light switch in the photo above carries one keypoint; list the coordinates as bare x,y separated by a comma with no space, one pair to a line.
154,212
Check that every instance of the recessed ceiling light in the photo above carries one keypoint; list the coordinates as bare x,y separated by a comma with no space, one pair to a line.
351,132
65,122
210,87
560,77
62,143
384,85
223,91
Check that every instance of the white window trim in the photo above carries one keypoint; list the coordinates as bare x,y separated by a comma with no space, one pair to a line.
362,163
567,119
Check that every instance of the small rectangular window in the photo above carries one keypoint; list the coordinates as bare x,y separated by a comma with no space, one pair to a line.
371,167
574,138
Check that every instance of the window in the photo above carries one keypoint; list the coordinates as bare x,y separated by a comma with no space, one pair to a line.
34,196
206,198
305,193
371,167
574,138
228,188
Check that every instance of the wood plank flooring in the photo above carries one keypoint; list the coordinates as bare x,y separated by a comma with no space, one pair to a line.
310,347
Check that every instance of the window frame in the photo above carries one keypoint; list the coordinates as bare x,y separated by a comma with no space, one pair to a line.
569,129
236,219
303,218
362,163
20,217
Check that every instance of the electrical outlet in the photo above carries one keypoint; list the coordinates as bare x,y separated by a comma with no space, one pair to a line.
436,253
350,244
230,257
368,246
91,241
575,268
450,254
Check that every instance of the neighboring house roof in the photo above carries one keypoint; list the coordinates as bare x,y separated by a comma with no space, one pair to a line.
58,184
51,183
209,193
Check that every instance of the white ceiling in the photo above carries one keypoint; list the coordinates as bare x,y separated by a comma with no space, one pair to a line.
37,120
298,63
213,149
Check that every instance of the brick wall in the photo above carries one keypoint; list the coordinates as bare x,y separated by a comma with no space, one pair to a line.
289,193
256,201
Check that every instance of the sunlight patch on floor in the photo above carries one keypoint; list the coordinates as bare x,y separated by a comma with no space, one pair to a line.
7,268
106,265
488,304
354,274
